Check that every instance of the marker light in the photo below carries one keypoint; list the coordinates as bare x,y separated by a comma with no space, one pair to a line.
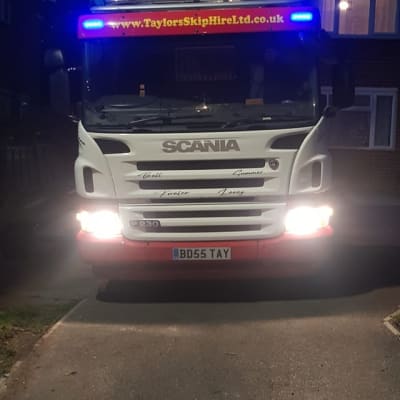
307,220
101,224
302,16
93,24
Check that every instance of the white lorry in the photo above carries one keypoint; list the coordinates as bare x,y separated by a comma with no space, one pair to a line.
202,145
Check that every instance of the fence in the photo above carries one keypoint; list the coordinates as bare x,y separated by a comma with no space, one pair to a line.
31,169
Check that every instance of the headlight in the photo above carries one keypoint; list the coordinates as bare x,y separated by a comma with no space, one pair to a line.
307,220
102,224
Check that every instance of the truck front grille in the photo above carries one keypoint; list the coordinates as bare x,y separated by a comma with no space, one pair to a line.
201,184
204,229
202,221
202,214
198,165
203,199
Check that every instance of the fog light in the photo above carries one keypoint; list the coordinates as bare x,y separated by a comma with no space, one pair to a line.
307,220
101,224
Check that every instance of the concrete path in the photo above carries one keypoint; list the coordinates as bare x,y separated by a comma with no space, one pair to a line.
226,342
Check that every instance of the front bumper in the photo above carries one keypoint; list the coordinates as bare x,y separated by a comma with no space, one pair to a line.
287,255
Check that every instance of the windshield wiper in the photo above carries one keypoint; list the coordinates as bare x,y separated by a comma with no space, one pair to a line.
265,120
149,124
167,119
119,128
167,104
122,106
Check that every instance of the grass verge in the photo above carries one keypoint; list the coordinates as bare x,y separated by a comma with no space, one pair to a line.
21,327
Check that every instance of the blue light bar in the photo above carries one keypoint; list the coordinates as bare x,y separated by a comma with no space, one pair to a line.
93,24
302,16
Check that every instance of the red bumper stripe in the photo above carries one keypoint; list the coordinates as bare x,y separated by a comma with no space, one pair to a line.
286,248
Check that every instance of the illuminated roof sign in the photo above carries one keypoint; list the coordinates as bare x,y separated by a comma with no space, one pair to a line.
199,22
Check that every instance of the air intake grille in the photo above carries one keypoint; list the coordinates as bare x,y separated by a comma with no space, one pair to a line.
205,200
290,142
199,165
202,214
201,184
203,229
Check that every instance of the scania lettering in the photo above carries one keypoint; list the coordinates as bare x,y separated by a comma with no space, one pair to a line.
204,151
203,146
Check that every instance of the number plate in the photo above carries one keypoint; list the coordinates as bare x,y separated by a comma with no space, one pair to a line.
201,253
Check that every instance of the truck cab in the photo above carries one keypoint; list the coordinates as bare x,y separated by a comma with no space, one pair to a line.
202,145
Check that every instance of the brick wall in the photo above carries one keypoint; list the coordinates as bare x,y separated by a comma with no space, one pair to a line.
376,64
360,171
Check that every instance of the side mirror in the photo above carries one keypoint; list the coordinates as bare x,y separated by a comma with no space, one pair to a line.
60,96
343,87
76,115
59,84
54,59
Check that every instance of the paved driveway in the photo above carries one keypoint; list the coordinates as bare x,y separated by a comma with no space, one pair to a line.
226,340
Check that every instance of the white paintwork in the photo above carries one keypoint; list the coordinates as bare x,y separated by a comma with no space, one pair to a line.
117,177
91,156
313,149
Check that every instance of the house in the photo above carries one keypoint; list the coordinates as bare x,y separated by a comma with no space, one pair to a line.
365,140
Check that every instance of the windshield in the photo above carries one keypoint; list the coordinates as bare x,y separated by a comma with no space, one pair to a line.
199,83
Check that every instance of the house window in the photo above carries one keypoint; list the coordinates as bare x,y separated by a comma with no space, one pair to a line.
5,12
355,20
385,16
361,18
369,124
328,8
